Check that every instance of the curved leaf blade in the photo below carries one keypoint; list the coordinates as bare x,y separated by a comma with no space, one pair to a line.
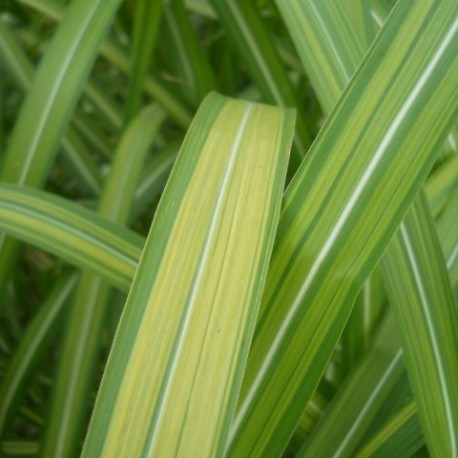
341,210
422,300
50,103
423,347
77,235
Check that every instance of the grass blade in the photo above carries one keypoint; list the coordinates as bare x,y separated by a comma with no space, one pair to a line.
54,93
50,103
401,436
255,46
190,61
363,322
442,362
446,225
326,45
32,346
215,251
145,30
340,212
153,180
421,297
359,398
120,57
77,235
441,183
81,343
75,154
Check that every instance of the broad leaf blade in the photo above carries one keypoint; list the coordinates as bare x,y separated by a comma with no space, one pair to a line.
194,298
411,286
341,210
318,29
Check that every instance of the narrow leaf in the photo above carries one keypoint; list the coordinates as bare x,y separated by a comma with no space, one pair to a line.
120,58
65,426
31,348
188,56
77,235
359,398
75,154
145,29
401,436
255,46
421,297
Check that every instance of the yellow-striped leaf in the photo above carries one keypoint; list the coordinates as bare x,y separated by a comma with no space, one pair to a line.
341,210
422,300
428,334
173,375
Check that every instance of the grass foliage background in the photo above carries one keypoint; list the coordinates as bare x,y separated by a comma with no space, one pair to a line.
350,335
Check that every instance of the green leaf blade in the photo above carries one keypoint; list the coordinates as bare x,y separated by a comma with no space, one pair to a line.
50,103
337,40
217,250
146,27
32,346
55,91
72,232
421,296
366,181
255,46
349,414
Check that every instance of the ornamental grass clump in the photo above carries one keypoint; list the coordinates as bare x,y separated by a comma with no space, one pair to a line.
228,228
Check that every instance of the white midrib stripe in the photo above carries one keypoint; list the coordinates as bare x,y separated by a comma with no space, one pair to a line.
346,213
181,51
433,338
258,56
452,258
66,63
19,374
336,54
368,404
75,232
222,193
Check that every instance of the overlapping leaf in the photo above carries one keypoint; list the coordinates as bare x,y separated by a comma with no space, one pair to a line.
340,211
